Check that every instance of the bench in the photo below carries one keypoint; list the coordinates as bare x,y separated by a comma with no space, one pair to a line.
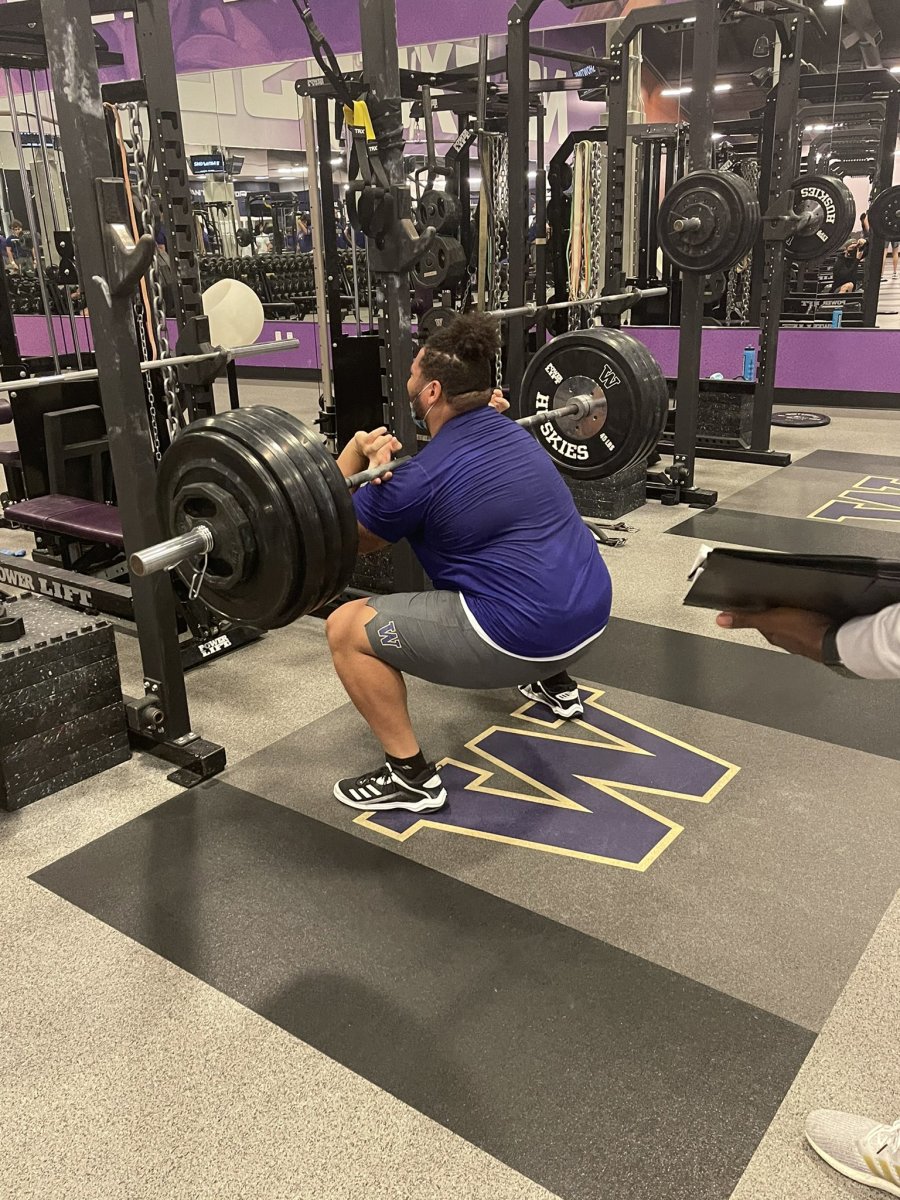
81,520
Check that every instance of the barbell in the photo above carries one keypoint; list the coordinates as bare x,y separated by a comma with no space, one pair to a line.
710,220
260,521
153,364
440,317
236,319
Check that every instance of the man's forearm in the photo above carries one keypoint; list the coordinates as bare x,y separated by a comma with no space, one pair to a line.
870,646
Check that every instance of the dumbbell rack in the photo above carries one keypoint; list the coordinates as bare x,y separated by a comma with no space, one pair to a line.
285,283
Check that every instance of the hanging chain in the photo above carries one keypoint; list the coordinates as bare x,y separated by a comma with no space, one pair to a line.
140,316
141,319
737,296
498,189
595,211
143,195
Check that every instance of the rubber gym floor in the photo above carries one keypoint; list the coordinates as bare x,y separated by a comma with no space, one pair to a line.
627,962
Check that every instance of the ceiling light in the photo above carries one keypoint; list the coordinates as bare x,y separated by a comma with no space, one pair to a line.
832,3
717,137
682,91
722,87
689,20
337,161
532,174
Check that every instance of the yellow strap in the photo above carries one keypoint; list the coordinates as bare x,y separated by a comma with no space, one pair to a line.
358,117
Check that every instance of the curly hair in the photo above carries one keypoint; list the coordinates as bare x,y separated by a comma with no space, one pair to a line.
459,357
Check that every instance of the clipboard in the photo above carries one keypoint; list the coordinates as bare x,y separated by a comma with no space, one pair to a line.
840,586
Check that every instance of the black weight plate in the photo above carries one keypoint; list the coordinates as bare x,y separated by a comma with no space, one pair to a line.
623,373
884,214
443,263
433,320
832,203
203,454
347,536
342,530
347,522
264,438
267,421
728,211
800,420
748,199
714,288
440,209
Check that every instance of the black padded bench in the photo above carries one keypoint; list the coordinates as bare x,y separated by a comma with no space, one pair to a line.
6,415
81,520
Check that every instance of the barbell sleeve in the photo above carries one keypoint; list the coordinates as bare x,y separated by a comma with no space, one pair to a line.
686,224
165,555
153,364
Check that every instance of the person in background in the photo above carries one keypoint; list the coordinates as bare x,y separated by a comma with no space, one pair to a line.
847,267
304,234
264,239
891,248
344,232
14,246
863,1150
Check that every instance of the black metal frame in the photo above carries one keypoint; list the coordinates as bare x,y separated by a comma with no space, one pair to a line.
97,199
153,31
779,169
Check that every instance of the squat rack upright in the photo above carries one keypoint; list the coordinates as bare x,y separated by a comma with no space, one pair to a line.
59,35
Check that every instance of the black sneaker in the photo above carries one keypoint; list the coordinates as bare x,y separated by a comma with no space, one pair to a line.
387,789
562,698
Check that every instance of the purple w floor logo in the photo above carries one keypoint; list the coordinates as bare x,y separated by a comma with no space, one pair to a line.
585,784
874,498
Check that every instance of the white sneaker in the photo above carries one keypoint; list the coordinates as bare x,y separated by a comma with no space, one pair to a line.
562,699
859,1148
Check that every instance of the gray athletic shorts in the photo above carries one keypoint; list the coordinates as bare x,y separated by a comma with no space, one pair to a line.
429,635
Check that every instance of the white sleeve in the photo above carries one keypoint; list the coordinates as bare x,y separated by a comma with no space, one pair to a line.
870,646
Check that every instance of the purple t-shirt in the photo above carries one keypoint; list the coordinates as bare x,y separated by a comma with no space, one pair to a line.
488,516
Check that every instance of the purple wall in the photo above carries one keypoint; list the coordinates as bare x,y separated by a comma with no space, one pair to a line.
34,340
210,35
834,360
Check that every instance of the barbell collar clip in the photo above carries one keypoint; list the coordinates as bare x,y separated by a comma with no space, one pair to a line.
195,543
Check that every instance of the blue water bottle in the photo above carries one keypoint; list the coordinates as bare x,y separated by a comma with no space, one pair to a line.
750,364
836,318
